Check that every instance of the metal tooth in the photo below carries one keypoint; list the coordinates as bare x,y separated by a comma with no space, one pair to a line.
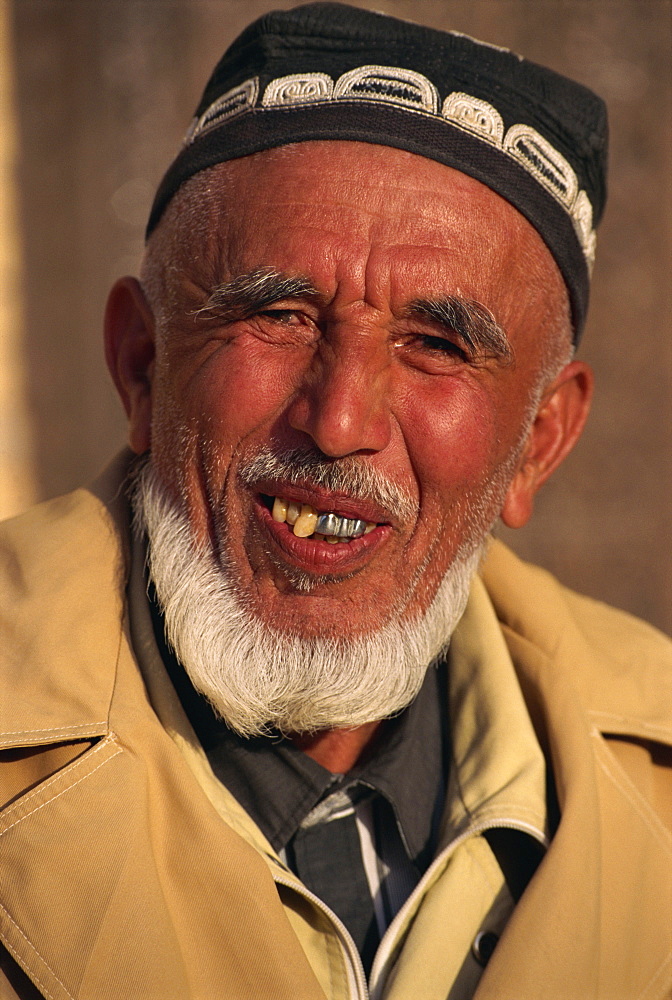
331,524
357,528
328,524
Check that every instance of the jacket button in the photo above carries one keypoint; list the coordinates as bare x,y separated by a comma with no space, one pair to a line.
484,944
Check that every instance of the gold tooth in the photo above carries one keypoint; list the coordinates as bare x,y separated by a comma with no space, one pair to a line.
304,525
293,511
370,525
279,510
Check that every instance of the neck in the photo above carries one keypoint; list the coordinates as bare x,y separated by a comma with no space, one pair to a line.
337,749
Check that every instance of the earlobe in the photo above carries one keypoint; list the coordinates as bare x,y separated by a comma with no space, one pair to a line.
129,351
559,422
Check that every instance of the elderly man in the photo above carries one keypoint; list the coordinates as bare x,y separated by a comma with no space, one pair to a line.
282,740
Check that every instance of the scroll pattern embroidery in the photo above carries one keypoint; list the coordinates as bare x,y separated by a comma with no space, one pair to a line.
414,92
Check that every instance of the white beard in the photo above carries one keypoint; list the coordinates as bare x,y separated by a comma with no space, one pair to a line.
257,678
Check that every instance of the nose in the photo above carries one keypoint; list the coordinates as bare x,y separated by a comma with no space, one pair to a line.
343,401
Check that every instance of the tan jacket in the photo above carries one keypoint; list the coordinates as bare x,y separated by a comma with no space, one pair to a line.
120,879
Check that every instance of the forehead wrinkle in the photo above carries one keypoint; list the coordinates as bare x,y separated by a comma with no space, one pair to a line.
471,320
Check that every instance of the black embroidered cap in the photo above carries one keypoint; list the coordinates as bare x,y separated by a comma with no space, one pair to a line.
330,71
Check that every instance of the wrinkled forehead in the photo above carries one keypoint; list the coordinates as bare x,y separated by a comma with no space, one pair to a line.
322,208
300,206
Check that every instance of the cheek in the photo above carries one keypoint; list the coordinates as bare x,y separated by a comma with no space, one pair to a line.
451,436
237,389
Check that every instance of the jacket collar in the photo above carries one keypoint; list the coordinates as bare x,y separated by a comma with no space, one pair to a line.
620,667
63,570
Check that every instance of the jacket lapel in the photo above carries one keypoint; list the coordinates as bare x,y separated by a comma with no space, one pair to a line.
50,631
159,879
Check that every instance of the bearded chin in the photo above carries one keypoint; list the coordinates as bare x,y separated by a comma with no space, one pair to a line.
259,679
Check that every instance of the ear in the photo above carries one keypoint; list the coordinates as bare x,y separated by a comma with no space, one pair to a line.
129,350
557,427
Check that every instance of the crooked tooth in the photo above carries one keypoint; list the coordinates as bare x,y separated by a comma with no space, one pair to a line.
279,512
293,511
305,522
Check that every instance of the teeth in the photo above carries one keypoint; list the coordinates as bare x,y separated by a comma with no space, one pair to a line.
307,522
293,511
279,510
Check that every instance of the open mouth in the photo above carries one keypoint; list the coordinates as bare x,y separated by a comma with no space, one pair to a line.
307,522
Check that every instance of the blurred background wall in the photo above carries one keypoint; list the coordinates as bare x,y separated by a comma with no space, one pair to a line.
94,99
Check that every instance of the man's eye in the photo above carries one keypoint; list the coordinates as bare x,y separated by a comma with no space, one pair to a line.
441,345
433,354
284,327
284,316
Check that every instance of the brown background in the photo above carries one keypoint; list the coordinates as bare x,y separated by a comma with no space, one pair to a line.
103,92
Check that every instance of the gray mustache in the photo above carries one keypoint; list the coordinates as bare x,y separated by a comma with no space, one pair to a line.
351,476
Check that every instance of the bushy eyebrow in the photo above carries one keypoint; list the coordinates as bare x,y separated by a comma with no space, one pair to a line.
247,293
471,321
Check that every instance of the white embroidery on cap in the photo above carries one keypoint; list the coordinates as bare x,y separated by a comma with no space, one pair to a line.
298,88
390,84
413,91
551,169
231,104
474,115
582,216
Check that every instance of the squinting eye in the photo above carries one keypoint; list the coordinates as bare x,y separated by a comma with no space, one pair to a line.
281,315
432,354
284,327
441,345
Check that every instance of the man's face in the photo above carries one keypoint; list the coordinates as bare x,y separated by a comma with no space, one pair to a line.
343,350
